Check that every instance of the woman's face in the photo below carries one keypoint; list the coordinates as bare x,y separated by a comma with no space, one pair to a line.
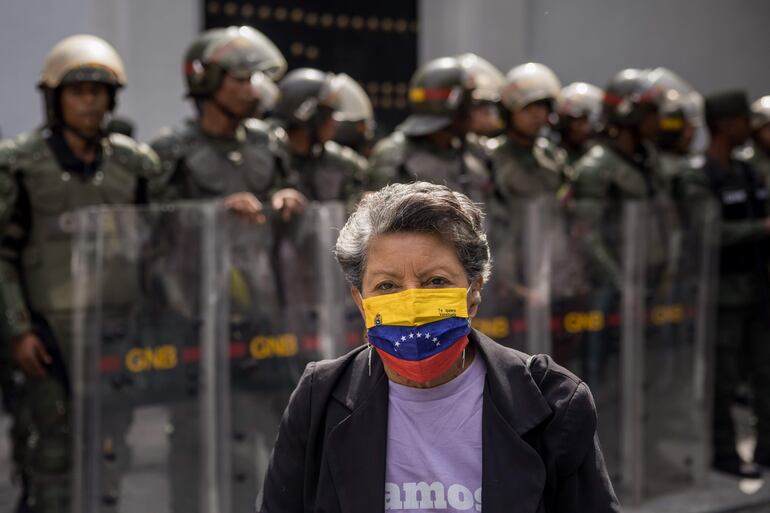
401,261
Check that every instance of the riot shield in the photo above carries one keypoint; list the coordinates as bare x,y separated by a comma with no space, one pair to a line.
624,300
679,296
288,305
586,248
502,313
143,368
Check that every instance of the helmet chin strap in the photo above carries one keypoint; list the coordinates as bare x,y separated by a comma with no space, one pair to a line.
313,126
232,116
513,128
90,141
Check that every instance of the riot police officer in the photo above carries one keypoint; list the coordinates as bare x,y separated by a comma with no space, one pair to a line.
267,94
525,163
743,327
70,162
680,115
619,169
486,120
355,118
577,119
623,164
431,144
305,124
225,152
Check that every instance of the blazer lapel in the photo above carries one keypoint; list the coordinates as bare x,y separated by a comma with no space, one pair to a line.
513,473
357,444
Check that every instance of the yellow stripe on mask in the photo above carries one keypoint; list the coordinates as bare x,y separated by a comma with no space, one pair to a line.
415,307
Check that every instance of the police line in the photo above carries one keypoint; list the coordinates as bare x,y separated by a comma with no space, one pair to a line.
190,277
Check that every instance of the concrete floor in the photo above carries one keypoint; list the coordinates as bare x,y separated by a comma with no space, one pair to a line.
147,485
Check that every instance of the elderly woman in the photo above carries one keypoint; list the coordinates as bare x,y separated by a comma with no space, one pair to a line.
432,415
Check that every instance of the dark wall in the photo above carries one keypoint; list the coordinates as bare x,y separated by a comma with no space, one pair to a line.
373,42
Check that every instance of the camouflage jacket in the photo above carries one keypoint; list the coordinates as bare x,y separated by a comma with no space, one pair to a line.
37,221
199,166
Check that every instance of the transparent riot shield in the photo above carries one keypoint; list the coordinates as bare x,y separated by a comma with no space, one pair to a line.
288,305
502,313
146,336
624,300
681,250
557,288
579,254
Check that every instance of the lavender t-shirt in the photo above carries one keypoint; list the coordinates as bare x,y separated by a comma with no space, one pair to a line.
434,445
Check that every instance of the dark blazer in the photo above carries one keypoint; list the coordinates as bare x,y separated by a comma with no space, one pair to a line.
540,452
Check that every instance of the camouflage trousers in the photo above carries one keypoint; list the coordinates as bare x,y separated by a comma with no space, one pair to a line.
742,351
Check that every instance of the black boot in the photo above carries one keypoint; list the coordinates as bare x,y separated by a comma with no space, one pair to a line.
732,464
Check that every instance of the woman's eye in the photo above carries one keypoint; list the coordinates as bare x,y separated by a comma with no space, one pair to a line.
384,286
438,282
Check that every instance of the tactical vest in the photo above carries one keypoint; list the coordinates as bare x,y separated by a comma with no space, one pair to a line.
460,170
743,196
330,176
602,168
520,176
220,168
54,194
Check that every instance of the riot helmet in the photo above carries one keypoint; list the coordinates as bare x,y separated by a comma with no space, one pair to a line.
578,100
267,94
77,59
529,83
680,110
238,51
354,116
486,118
629,97
439,93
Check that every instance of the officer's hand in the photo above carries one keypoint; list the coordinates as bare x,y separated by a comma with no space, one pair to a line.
289,202
29,352
246,205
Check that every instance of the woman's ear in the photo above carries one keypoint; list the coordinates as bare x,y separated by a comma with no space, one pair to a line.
356,295
474,296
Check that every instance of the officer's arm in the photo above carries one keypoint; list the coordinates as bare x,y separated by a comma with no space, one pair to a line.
382,169
590,192
166,184
696,188
354,186
15,319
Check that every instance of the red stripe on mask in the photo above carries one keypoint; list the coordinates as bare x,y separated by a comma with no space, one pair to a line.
428,369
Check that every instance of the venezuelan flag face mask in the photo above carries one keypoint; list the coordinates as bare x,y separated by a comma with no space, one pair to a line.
419,333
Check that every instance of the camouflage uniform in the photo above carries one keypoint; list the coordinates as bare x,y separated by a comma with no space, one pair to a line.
199,166
399,158
43,182
673,168
37,287
744,292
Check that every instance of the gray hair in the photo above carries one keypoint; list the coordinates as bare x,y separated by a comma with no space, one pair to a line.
415,207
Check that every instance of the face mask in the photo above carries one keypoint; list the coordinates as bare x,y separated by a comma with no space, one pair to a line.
419,333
